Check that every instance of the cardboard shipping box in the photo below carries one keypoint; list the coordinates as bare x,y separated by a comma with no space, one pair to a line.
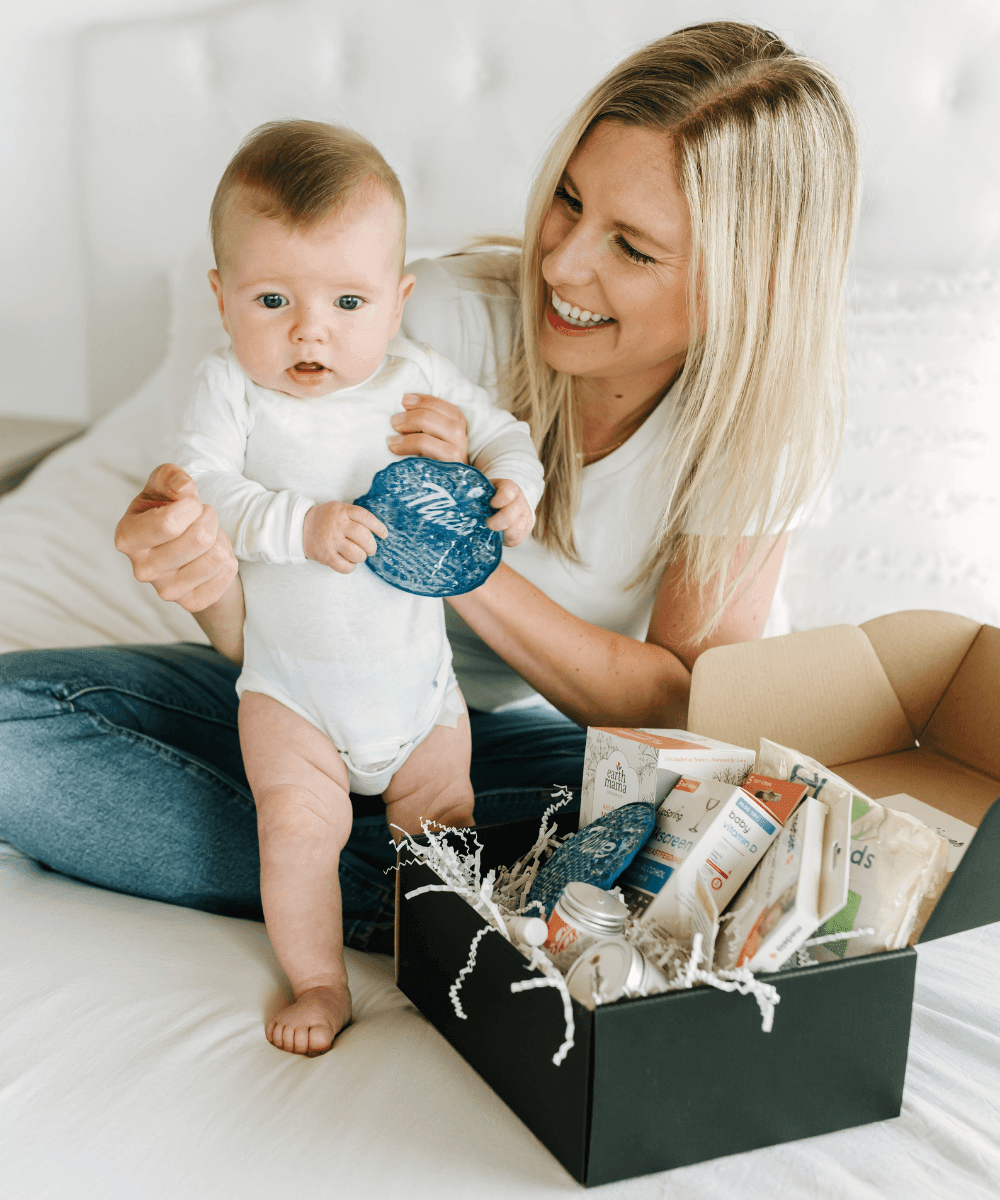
909,703
906,703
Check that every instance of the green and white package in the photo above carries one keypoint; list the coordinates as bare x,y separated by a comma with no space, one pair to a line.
897,863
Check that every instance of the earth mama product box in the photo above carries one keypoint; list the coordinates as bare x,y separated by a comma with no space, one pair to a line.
633,1095
623,766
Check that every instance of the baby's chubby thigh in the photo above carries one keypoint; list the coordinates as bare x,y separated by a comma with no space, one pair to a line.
295,772
433,784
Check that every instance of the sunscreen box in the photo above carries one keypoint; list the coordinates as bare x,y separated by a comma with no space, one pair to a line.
706,834
625,766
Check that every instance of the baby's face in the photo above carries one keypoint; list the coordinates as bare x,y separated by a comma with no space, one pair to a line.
311,311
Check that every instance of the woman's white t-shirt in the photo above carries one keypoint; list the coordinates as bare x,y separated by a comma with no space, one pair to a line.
465,306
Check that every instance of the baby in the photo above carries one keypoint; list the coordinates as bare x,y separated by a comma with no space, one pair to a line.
347,682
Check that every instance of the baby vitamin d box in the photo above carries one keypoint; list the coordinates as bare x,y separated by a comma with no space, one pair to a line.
624,766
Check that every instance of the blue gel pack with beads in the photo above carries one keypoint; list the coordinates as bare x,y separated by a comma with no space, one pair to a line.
436,513
596,854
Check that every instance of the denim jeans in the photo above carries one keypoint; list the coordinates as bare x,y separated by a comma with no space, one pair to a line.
121,766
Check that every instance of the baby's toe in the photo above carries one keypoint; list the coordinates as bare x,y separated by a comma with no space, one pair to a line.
320,1039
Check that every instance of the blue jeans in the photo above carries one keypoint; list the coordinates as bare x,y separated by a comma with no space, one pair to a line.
121,766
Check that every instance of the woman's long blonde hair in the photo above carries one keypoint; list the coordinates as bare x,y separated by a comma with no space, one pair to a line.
766,154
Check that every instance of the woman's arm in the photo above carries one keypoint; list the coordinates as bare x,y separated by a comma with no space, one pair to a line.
597,677
678,609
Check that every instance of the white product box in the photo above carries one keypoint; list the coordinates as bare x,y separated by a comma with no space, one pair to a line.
779,908
958,833
624,766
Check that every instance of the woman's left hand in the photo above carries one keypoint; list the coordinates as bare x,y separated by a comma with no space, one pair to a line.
430,427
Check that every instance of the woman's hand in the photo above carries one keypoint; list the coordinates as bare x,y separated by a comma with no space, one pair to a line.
341,535
430,427
174,541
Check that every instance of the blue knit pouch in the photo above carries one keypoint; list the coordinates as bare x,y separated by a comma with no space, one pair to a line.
436,513
597,854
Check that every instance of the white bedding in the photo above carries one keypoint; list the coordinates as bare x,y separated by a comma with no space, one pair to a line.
133,1065
132,1057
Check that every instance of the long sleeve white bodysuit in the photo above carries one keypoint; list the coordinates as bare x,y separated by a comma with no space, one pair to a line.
367,664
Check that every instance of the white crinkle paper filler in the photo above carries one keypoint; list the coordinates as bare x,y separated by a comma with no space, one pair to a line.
461,871
504,893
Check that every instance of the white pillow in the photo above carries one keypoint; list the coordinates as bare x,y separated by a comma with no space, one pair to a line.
62,583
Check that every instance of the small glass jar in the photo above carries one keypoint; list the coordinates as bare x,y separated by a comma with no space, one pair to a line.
583,915
610,969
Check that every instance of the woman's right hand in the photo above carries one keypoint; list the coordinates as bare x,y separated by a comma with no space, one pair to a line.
174,541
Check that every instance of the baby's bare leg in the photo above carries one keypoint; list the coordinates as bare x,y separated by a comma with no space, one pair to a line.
299,783
433,784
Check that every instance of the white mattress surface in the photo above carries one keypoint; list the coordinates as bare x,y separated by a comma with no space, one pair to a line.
133,1064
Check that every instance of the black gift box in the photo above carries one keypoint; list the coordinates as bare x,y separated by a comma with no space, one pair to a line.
908,702
667,1080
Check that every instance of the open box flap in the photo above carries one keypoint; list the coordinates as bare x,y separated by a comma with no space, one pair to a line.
972,897
920,652
966,722
823,692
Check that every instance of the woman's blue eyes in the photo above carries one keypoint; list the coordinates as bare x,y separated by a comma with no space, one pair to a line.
273,300
576,206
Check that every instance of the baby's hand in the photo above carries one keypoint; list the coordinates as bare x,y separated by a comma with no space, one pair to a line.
514,515
340,535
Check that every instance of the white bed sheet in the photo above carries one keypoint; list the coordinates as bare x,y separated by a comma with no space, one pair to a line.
133,1064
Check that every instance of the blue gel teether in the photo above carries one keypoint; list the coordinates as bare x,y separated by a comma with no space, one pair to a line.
597,854
436,513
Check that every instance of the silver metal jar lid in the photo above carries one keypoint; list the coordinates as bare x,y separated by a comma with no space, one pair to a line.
595,907
607,969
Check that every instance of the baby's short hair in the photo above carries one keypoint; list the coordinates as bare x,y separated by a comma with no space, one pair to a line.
299,172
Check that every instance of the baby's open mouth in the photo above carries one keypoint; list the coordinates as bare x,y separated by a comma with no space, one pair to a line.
309,367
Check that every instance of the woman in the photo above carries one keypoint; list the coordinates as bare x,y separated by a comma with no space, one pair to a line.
672,334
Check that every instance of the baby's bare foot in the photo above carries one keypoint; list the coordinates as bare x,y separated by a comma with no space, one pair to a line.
310,1024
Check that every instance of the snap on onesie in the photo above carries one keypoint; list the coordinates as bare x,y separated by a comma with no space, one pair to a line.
366,663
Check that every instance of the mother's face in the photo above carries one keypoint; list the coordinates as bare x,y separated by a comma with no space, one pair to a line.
616,244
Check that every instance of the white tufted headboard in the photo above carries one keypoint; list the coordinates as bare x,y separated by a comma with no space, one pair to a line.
463,95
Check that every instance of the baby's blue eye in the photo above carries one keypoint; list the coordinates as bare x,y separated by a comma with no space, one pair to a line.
272,300
349,302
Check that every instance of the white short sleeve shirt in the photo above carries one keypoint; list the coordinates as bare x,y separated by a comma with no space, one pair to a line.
466,307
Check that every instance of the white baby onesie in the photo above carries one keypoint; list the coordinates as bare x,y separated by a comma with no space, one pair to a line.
369,665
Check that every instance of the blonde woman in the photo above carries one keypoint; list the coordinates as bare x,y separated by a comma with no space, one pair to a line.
671,331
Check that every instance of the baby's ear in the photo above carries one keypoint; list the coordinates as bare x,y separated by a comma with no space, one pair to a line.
406,285
215,282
